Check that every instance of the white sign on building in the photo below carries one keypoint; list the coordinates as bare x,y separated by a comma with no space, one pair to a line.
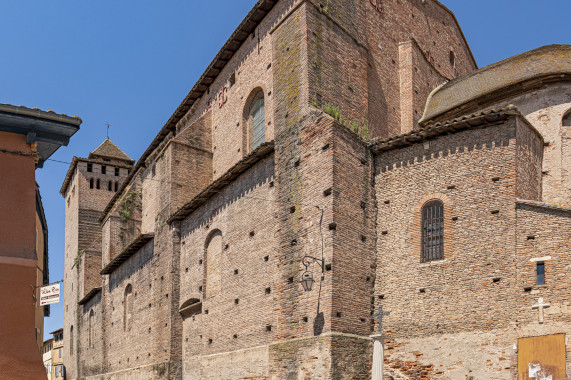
49,294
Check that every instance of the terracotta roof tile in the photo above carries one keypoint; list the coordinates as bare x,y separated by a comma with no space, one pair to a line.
110,150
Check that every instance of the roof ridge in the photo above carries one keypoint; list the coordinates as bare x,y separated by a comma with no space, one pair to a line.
106,148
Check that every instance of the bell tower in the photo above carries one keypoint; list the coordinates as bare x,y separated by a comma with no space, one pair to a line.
88,187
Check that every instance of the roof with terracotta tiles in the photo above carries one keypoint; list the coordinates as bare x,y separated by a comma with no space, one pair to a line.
535,67
108,149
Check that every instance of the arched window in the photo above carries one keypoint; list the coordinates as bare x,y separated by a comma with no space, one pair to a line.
127,307
91,317
98,184
213,268
91,183
256,121
71,340
110,186
566,122
432,231
116,186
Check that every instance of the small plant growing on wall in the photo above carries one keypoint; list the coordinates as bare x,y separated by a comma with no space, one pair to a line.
126,206
77,260
362,129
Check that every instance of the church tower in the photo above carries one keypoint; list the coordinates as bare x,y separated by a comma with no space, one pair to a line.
88,187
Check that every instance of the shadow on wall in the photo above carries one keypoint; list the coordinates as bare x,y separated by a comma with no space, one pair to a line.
135,263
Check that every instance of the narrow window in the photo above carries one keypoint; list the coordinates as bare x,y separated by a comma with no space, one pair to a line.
71,340
98,184
432,231
110,186
103,169
127,307
89,167
540,273
452,59
116,186
91,317
256,121
91,183
116,172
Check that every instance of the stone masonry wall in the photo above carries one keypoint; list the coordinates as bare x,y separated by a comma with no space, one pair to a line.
434,321
544,109
543,235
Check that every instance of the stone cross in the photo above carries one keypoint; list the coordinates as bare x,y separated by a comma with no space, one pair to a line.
379,316
540,306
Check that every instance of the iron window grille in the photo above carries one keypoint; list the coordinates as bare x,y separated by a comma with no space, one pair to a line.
432,231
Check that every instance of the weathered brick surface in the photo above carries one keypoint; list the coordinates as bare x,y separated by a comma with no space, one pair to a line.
83,247
481,289
216,294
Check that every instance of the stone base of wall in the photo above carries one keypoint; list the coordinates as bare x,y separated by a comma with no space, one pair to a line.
148,372
489,354
327,356
248,363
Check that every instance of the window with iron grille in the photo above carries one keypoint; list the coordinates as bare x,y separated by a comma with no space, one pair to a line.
432,231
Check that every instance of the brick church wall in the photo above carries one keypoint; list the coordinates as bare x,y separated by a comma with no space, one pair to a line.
91,351
475,174
246,288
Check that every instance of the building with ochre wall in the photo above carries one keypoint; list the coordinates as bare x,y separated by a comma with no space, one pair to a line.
28,137
360,132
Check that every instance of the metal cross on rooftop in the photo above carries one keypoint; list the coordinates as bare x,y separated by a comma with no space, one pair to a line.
379,317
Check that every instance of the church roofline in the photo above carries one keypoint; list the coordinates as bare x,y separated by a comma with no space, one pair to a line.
246,27
474,120
89,296
138,243
103,151
215,187
459,29
545,64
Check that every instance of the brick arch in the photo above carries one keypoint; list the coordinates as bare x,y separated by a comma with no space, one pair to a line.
256,89
416,223
212,264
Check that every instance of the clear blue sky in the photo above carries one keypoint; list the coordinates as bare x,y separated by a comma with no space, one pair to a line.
130,63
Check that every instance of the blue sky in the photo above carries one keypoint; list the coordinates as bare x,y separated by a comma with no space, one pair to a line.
130,63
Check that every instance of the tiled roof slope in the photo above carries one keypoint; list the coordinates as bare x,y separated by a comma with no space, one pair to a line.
108,149
551,61
474,120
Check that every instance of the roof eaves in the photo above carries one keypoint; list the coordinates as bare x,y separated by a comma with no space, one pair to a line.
215,187
89,296
138,243
455,125
544,205
232,45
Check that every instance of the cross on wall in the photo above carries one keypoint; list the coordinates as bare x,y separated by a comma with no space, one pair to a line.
540,306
